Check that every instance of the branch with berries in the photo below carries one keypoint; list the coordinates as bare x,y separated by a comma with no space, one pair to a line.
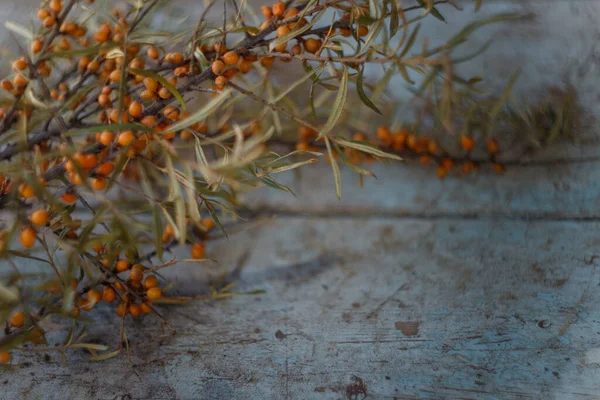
118,144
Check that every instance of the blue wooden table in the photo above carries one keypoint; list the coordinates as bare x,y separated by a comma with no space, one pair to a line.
485,287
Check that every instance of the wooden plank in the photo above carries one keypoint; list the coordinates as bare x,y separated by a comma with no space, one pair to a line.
394,308
561,191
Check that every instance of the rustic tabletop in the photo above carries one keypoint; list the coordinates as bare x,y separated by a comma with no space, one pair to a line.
481,287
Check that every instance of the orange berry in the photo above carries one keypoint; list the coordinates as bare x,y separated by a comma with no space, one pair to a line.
89,161
121,310
115,76
83,63
108,294
150,282
447,163
135,310
221,81
28,237
198,250
137,272
218,67
432,147
312,45
105,169
49,22
99,183
126,138
4,357
64,44
164,93
154,293
94,296
441,172
363,31
149,95
93,66
122,265
171,112
267,61
361,137
493,146
467,167
278,9
42,14
498,168
135,109
151,84
20,80
55,5
107,137
266,11
208,223
265,25
6,85
17,319
345,32
231,57
153,53
425,159
146,307
302,146
282,30
68,198
467,142
26,191
384,135
39,217
292,12
37,46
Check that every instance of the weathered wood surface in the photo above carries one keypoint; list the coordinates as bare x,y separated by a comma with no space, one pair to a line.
484,287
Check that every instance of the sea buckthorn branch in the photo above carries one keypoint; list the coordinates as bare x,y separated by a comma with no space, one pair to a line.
119,148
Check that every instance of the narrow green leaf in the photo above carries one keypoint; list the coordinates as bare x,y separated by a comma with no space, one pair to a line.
361,92
336,170
19,30
404,73
23,255
90,346
431,9
338,105
354,167
106,356
503,98
213,215
394,18
411,40
291,166
202,113
158,230
366,148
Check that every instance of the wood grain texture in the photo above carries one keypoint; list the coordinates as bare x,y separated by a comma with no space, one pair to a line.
483,287
398,308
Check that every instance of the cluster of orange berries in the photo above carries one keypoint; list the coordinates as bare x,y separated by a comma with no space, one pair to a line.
429,151
277,12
